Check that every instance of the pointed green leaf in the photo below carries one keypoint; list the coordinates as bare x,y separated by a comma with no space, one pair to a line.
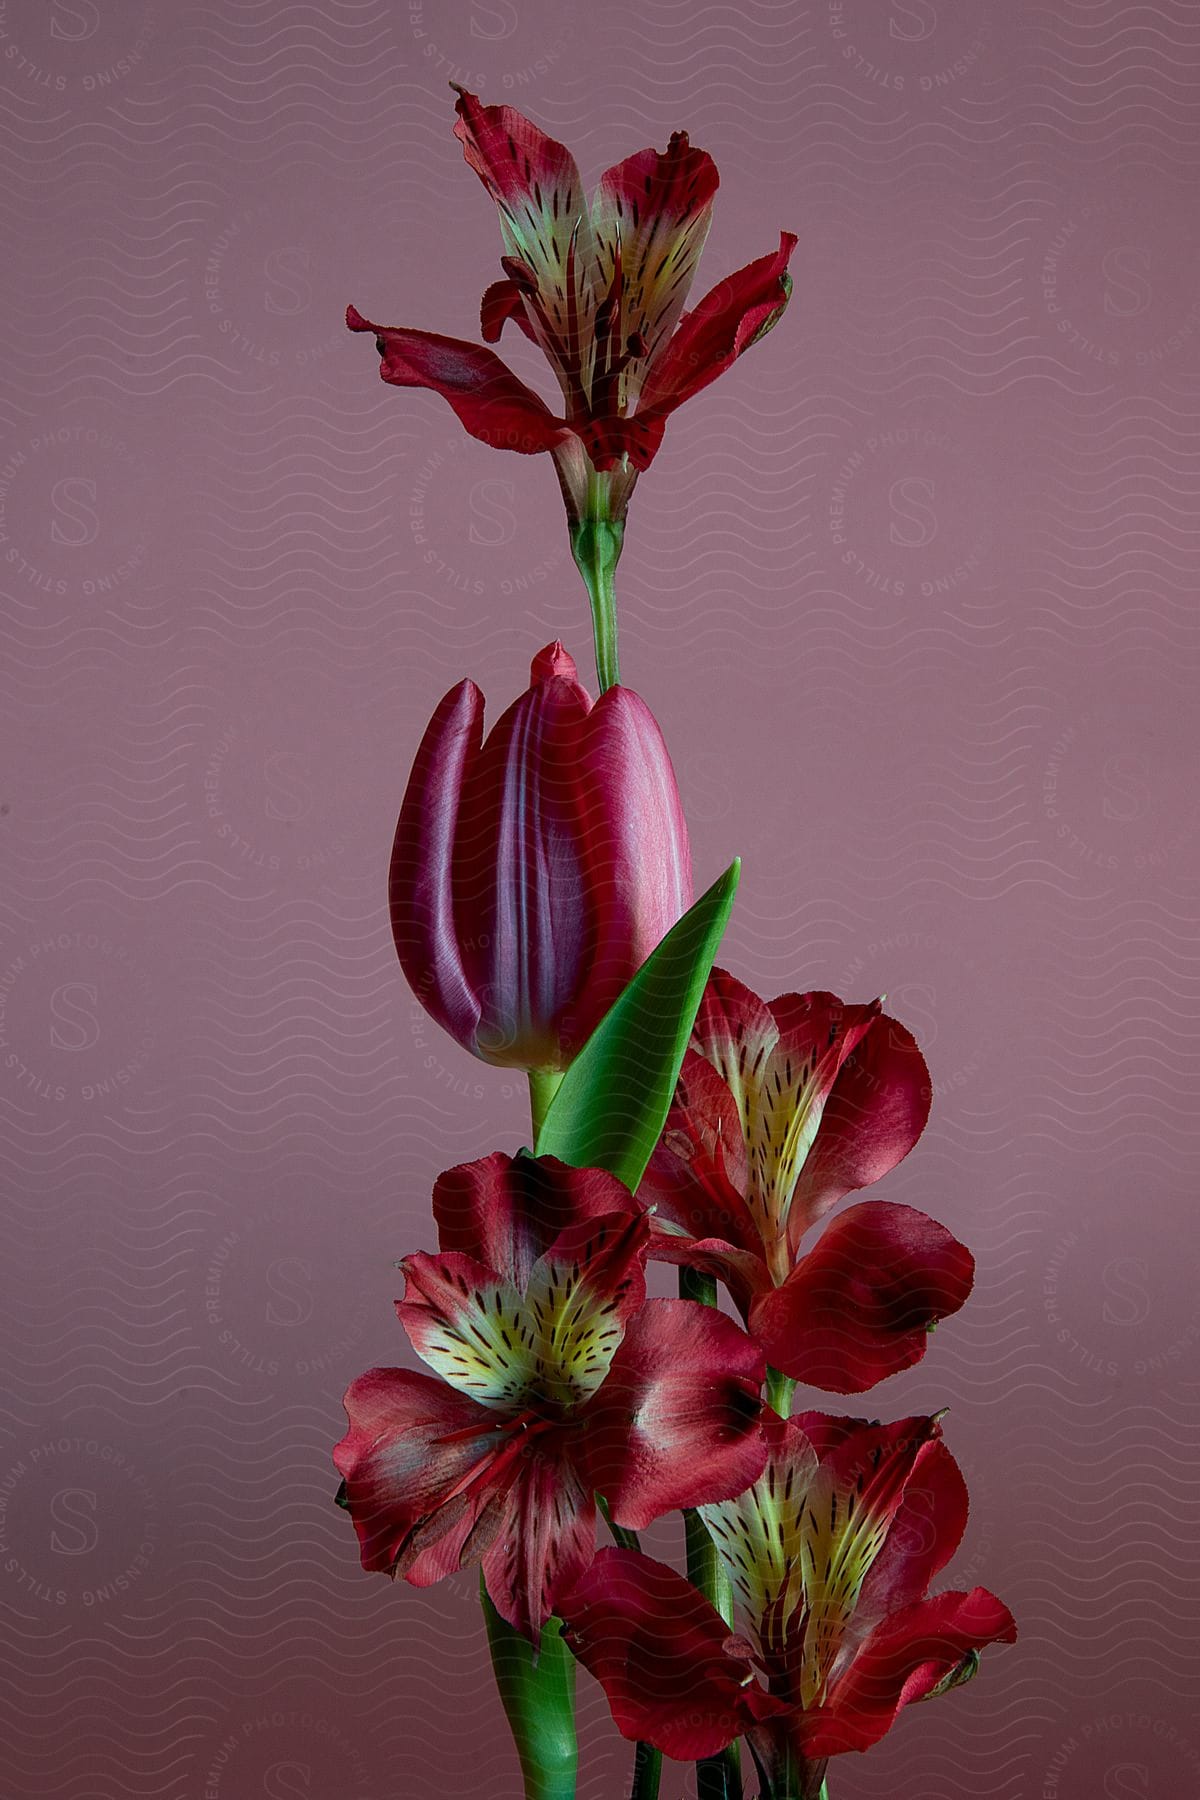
612,1104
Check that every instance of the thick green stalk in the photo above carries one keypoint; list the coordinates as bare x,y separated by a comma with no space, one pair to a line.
538,1696
717,1777
596,541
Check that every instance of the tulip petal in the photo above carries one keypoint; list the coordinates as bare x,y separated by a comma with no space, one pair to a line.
508,1210
734,315
421,894
471,1327
677,1421
671,1673
876,1112
543,220
858,1307
520,888
547,1541
634,840
904,1659
422,1465
492,403
650,217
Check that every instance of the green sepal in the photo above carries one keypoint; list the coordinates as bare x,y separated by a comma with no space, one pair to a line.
963,1672
613,1102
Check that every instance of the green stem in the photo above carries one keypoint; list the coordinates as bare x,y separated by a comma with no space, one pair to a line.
538,1696
621,1534
543,1085
647,1772
717,1777
780,1389
596,541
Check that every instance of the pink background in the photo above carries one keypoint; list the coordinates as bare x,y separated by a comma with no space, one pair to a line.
912,594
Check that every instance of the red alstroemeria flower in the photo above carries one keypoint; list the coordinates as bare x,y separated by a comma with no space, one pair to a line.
830,1553
534,871
601,289
781,1111
555,1379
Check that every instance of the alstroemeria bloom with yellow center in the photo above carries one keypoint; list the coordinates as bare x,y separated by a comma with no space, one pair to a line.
781,1111
555,1380
830,1554
601,289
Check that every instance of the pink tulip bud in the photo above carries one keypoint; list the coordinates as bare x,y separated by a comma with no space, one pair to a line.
535,870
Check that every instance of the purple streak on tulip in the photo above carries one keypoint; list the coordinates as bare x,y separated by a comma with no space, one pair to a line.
535,870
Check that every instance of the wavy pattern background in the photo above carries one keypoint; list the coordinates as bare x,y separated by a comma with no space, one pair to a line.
912,594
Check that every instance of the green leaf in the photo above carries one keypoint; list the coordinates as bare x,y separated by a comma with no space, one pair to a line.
612,1104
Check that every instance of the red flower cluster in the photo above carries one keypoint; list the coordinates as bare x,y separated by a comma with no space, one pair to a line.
534,872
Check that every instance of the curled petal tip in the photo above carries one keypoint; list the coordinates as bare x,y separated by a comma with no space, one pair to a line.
355,320
553,660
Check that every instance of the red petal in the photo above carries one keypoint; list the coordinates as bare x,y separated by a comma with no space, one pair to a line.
875,1114
635,842
659,1651
471,1327
902,1661
503,301
711,337
521,899
743,1272
854,1448
420,887
694,1181
924,1535
492,403
543,220
697,1173
780,1063
676,1422
580,1299
650,217
418,1462
857,1308
547,1541
507,1211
